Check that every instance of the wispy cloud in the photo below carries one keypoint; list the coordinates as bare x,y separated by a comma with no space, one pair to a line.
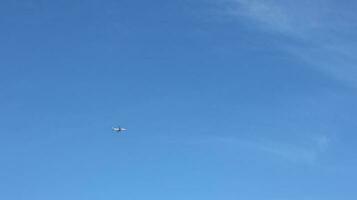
308,152
295,18
325,31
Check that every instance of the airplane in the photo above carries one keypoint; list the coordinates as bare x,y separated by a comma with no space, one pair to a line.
118,129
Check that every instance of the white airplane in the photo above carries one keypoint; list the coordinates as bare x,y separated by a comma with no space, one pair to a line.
118,129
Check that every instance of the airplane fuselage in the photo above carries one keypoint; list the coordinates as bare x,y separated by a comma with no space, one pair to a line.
116,129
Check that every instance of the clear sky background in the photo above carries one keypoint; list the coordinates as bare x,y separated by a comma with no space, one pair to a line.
233,99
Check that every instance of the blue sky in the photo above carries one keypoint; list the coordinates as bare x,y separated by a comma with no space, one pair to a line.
231,99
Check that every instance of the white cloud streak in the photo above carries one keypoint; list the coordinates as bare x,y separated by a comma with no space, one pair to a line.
326,31
294,152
